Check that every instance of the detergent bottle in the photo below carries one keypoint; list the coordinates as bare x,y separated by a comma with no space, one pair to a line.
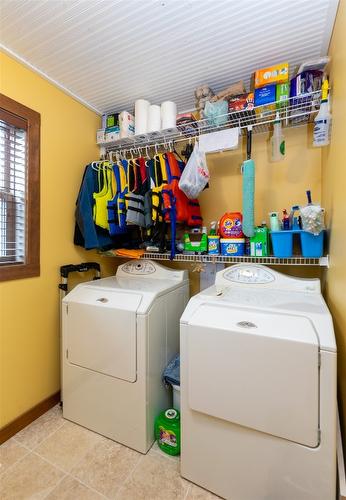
167,431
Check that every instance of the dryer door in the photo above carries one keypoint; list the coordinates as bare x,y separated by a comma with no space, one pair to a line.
100,331
256,369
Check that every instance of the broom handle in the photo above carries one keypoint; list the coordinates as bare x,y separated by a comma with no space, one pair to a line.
248,143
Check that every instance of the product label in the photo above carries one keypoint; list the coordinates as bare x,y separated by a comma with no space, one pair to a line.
232,227
232,248
282,148
167,437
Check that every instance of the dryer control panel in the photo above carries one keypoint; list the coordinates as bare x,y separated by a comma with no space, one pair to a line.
149,269
138,267
245,274
257,276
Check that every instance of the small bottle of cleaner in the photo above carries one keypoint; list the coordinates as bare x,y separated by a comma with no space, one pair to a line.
274,221
285,220
277,141
323,119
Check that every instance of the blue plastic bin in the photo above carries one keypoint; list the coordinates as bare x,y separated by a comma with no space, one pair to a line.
282,242
312,245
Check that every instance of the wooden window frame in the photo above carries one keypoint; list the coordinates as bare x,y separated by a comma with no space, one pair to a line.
14,113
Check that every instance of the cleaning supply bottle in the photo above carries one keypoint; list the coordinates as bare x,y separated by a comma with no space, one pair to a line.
285,220
213,240
274,221
167,431
277,141
322,120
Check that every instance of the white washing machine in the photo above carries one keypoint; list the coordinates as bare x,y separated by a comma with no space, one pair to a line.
119,333
258,388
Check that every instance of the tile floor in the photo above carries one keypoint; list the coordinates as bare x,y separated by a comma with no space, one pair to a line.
55,459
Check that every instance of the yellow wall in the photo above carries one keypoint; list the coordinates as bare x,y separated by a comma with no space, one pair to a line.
29,366
334,199
29,308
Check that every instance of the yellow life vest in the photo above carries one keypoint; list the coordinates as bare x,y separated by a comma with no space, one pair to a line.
106,194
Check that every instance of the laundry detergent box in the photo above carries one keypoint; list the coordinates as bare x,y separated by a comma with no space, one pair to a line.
112,134
112,120
232,247
259,243
265,95
265,100
273,74
100,136
282,94
126,124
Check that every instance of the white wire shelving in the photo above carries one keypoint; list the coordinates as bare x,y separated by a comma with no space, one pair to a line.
292,112
296,260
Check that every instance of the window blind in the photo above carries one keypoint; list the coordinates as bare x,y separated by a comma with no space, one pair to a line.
13,192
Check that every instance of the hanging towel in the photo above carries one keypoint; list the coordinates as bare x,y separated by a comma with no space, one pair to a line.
171,374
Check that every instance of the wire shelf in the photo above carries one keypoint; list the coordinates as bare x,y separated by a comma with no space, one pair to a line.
292,112
220,259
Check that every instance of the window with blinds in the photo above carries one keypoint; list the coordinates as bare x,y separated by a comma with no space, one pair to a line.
13,187
19,190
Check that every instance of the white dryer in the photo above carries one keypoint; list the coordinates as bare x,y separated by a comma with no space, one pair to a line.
258,388
119,333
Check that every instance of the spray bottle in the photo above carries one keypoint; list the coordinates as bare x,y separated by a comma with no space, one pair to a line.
277,141
323,119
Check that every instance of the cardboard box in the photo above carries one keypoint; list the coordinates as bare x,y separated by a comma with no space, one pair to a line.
112,120
272,74
265,95
112,134
126,124
282,94
100,136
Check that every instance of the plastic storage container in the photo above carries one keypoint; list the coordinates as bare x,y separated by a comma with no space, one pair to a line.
282,242
232,247
311,244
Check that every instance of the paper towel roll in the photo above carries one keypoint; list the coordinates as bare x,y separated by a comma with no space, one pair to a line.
154,119
141,116
168,115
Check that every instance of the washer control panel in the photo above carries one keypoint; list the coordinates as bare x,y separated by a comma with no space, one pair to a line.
250,275
139,268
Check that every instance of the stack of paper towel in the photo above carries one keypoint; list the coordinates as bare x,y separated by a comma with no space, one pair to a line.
151,118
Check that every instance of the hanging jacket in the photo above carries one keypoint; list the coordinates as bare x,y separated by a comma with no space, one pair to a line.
172,194
135,195
115,226
122,203
102,197
159,177
86,234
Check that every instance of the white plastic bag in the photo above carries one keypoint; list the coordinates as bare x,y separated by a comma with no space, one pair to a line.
195,175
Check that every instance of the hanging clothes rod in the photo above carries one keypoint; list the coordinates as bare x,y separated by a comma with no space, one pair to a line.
143,148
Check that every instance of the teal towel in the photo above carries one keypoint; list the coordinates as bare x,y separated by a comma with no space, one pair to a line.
248,169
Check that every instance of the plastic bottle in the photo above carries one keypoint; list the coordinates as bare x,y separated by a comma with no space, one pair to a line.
323,119
285,220
167,431
274,221
277,141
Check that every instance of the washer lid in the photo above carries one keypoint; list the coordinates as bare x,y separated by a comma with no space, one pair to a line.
100,331
258,370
